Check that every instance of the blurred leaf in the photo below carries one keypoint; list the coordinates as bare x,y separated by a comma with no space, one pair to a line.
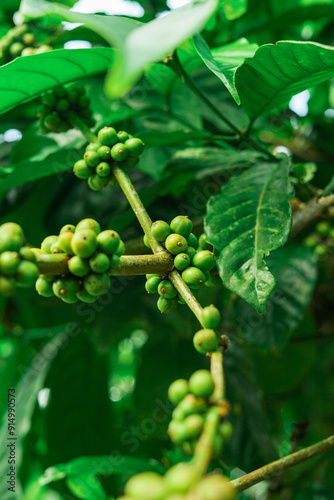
295,270
329,189
234,8
26,391
155,40
224,61
86,487
277,72
163,79
49,70
32,143
250,218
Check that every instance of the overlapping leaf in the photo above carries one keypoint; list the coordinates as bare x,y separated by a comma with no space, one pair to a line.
250,218
295,270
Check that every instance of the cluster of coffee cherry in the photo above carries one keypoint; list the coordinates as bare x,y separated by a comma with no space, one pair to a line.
112,148
181,482
322,239
57,106
92,254
192,401
194,260
17,262
20,42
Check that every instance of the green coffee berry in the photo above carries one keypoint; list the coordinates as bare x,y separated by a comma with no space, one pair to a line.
147,485
203,243
70,300
193,277
192,404
215,487
213,281
9,262
167,290
60,92
43,111
86,297
191,252
27,273
204,260
160,230
7,286
201,384
193,425
119,152
321,250
323,228
175,244
12,228
52,122
226,430
103,169
167,305
28,51
104,153
115,261
210,317
49,99
181,477
10,241
176,431
135,146
311,241
107,136
178,390
84,102
92,158
146,242
108,241
44,287
96,183
182,261
84,243
78,266
192,240
48,242
120,249
55,248
148,276
122,136
93,146
152,284
82,170
99,263
28,254
89,224
66,287
64,242
68,228
181,225
205,341
97,284
62,105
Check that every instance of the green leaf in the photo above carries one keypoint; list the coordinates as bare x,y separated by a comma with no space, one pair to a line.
155,40
295,270
277,72
234,8
47,71
26,392
86,487
224,61
114,29
329,189
250,218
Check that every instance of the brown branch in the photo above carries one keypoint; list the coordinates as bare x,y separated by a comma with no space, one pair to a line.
282,464
309,212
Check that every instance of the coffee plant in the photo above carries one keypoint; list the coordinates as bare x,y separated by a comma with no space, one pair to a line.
166,250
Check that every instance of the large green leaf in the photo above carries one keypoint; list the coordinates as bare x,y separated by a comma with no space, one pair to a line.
250,218
46,71
224,61
277,72
295,270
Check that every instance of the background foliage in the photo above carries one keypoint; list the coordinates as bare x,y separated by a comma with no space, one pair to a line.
103,369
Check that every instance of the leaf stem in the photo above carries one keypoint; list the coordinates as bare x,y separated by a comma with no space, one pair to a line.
217,372
204,448
80,125
282,464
